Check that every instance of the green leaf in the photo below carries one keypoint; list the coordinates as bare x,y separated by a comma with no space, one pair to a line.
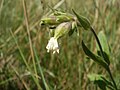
83,21
94,57
100,81
108,83
106,57
97,80
105,47
104,42
94,77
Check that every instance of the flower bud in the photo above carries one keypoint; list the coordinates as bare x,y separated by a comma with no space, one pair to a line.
56,20
85,23
62,29
65,18
52,20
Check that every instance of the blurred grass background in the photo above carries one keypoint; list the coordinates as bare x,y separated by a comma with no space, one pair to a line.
24,61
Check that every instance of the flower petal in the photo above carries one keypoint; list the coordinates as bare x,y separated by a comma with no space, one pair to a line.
52,45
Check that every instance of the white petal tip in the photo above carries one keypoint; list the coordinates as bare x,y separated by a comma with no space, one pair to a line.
52,45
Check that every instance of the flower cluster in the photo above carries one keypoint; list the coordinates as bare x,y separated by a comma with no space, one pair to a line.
63,24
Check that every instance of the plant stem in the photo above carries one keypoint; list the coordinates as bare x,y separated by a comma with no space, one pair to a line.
102,53
112,79
40,69
97,39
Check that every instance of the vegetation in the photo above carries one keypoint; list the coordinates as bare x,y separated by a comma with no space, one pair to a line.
25,63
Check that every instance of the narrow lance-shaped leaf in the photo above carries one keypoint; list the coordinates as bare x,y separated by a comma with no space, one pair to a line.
105,47
94,57
103,41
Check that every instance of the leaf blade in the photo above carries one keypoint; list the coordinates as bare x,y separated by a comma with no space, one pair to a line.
94,57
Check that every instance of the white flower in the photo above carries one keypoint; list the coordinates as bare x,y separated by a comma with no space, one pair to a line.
52,45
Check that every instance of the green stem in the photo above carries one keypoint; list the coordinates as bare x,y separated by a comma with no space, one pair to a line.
97,39
40,69
112,79
102,53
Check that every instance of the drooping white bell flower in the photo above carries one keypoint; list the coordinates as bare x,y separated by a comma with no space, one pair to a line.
52,45
61,30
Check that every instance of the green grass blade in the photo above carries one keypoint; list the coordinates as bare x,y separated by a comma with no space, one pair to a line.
40,69
23,58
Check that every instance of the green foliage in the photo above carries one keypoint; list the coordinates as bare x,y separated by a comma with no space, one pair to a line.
103,60
105,46
104,43
102,83
94,57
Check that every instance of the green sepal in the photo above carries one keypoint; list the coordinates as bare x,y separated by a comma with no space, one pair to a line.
83,21
62,29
